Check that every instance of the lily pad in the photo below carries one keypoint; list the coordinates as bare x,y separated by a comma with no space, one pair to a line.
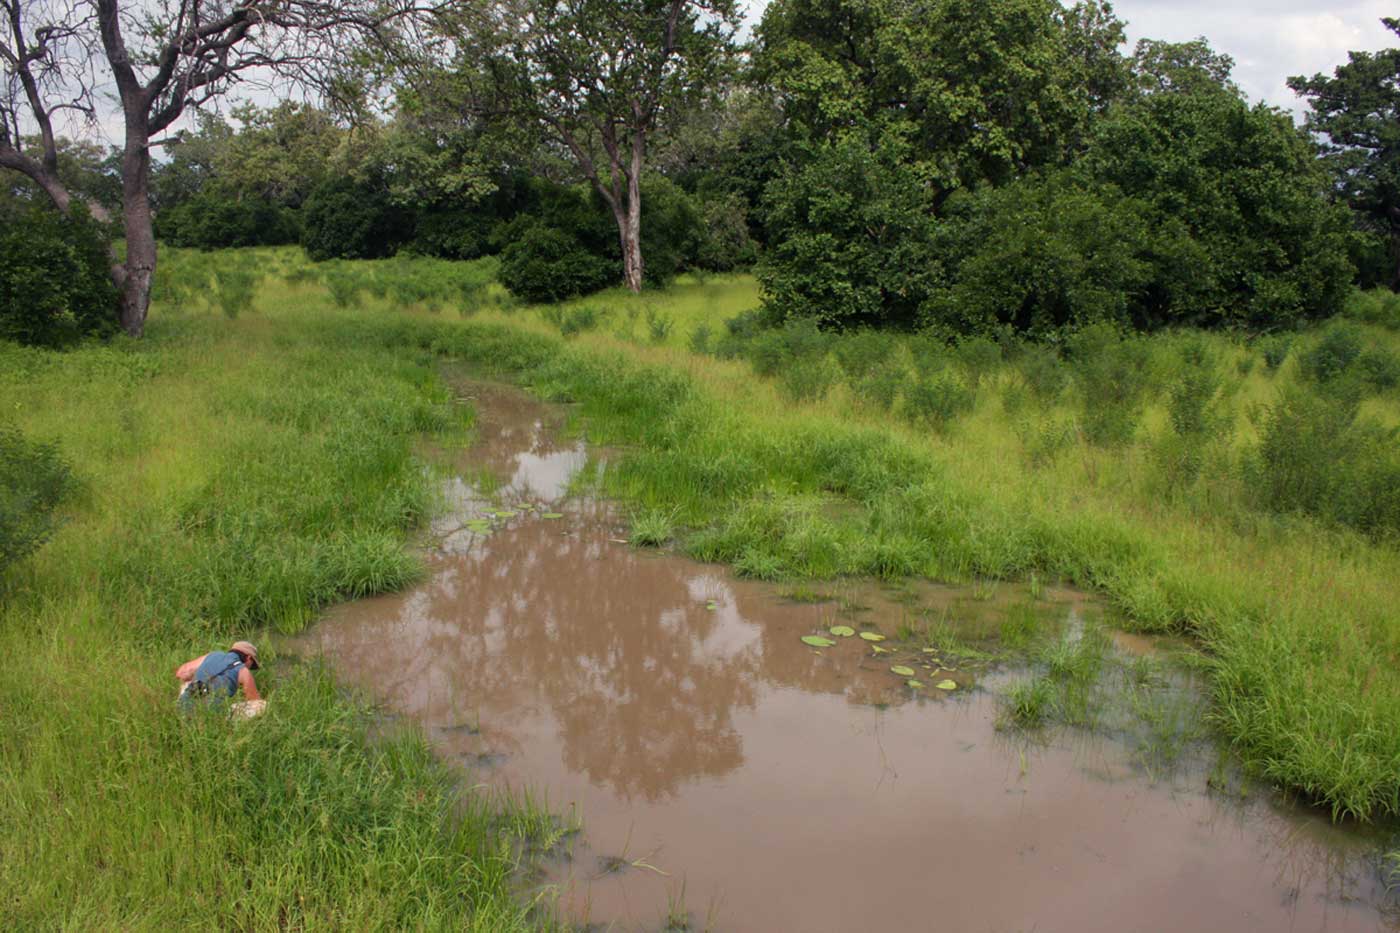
947,685
845,631
916,684
551,515
712,605
878,650
902,671
872,636
816,641
505,513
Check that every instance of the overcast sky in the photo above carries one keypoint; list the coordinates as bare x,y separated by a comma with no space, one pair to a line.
1269,39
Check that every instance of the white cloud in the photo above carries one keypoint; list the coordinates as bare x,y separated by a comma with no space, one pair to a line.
1268,40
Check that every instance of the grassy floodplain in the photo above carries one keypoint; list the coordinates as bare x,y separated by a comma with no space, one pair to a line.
235,475
252,461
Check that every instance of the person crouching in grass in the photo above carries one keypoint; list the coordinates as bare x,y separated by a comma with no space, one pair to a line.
219,675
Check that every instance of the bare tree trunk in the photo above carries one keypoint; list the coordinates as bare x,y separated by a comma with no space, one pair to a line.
631,227
134,277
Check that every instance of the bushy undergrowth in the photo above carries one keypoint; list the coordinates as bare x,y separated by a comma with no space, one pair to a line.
54,283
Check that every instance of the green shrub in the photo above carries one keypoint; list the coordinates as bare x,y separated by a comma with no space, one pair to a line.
349,219
849,243
699,341
1380,368
55,287
1378,306
1333,354
979,356
659,325
1113,375
1275,349
808,378
881,386
1041,256
233,289
938,399
1316,458
1045,374
863,351
34,481
543,264
219,219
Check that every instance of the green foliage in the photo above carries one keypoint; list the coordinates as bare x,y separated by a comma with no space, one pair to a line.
1112,376
55,287
1378,306
1275,349
349,219
937,399
850,240
1042,256
217,219
1240,229
544,264
1358,110
1334,353
34,481
1316,457
233,288
1045,374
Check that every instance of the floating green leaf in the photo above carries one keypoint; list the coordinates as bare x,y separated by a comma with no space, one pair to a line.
816,641
712,605
505,513
845,631
915,684
872,636
552,515
902,671
878,650
947,685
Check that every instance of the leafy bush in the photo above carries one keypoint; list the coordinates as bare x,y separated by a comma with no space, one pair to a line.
233,288
808,378
1333,354
725,243
218,219
1041,256
699,341
55,287
544,264
1380,368
1045,374
849,240
349,219
34,481
1241,227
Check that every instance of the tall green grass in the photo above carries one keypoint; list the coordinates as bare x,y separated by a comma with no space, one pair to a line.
238,474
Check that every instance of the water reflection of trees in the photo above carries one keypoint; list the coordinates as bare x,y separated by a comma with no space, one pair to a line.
613,648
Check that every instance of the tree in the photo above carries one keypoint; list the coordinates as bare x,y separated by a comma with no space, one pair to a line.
597,78
161,59
983,89
1357,110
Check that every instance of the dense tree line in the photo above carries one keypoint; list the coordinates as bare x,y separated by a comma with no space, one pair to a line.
967,167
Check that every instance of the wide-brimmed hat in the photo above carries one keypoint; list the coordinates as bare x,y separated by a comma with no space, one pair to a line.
246,649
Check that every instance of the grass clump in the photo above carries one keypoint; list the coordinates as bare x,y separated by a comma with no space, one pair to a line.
34,481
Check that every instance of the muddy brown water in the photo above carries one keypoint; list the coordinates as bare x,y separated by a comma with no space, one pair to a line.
724,771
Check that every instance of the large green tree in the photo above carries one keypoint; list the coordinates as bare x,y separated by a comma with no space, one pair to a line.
597,78
1357,111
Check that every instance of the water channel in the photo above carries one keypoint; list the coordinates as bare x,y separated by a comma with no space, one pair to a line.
725,772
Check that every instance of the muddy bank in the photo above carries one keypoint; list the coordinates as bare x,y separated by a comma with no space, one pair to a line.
725,771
